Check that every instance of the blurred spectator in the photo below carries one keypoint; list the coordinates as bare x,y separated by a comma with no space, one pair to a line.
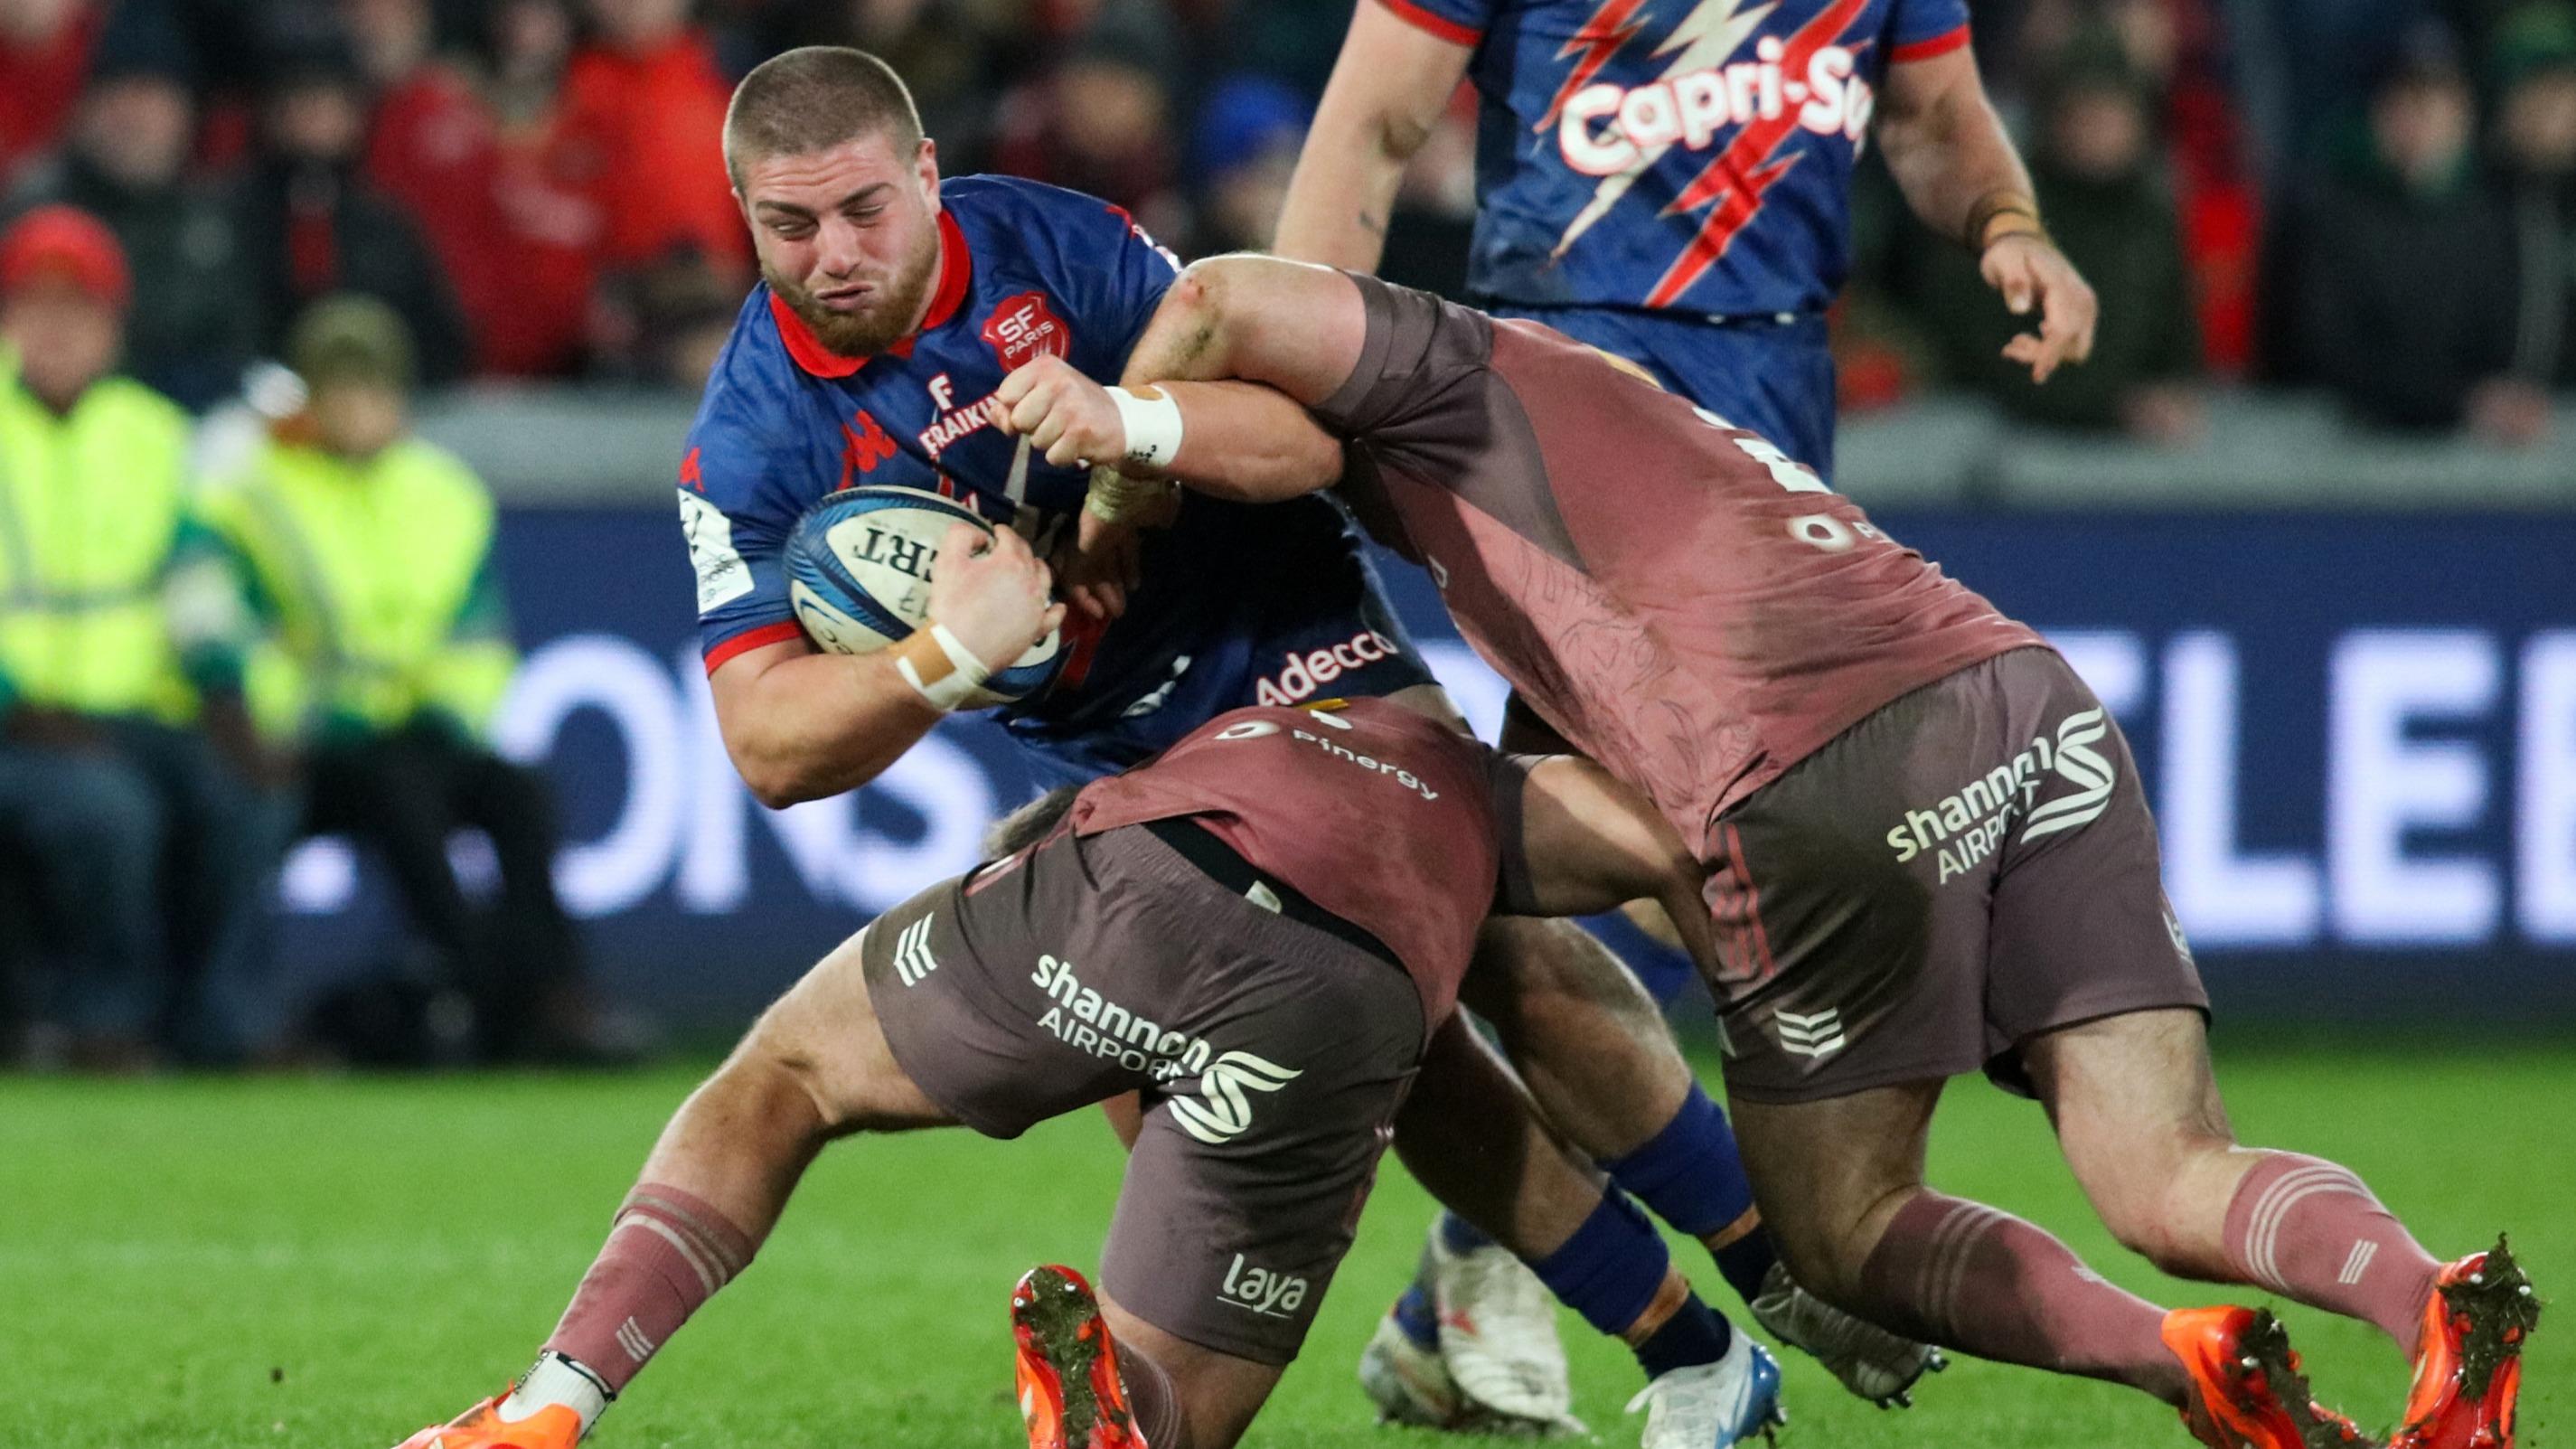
2535,144
194,325
2101,188
147,848
383,651
950,53
679,316
476,164
44,53
643,117
2404,279
1101,120
310,222
1242,153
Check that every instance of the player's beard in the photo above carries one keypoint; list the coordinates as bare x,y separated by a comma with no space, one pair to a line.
870,331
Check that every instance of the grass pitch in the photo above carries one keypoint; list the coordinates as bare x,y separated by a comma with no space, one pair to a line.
196,1264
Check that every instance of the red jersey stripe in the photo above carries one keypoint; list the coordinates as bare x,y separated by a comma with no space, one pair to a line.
750,639
1941,44
1439,26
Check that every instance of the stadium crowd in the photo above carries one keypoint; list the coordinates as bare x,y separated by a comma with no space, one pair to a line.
535,186
2375,199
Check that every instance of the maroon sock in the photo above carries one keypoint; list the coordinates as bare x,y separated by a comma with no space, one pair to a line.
2309,1230
1153,1400
1980,1280
667,1252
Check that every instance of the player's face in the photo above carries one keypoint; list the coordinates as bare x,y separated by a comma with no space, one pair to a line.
849,237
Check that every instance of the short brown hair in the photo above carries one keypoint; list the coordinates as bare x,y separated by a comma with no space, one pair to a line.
814,98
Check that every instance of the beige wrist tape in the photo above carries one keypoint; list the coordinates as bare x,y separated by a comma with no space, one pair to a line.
937,663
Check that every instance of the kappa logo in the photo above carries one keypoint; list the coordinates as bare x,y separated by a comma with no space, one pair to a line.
912,958
1816,1035
1222,1112
865,445
1968,826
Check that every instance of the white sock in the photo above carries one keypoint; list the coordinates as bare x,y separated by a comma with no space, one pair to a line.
556,1380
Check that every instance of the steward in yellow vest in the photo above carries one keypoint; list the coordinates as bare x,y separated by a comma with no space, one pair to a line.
379,653
144,850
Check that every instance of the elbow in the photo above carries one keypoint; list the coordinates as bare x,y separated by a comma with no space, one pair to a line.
777,781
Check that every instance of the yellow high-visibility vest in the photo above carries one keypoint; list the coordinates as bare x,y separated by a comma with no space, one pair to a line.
366,570
90,508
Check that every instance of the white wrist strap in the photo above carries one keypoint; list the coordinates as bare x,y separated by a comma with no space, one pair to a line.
1153,425
947,686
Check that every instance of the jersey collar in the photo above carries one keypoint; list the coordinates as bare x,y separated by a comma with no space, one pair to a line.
956,269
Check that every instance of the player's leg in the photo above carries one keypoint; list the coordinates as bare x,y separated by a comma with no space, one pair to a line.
1605,1071
1843,1179
1469,1135
2138,1114
817,1065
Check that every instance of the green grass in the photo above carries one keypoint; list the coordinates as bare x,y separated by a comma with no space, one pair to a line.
268,1263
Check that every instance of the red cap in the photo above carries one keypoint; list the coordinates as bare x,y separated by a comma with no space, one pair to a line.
66,242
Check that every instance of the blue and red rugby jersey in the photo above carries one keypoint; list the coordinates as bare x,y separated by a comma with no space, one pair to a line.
1229,597
1694,155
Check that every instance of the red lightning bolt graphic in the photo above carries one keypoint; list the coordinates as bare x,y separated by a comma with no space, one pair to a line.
1745,170
1610,27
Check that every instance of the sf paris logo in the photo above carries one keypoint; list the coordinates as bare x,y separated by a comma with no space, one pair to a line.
1025,327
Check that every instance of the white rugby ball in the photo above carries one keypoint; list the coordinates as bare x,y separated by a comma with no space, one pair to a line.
858,576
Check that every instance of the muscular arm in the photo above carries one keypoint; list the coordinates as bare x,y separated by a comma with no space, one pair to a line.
1591,844
1960,174
1229,321
1944,143
1387,92
802,725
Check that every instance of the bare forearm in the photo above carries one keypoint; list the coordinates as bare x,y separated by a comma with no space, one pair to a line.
1950,156
1245,441
818,725
1386,94
1343,193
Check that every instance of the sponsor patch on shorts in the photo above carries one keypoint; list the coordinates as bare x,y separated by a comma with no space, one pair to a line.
1968,825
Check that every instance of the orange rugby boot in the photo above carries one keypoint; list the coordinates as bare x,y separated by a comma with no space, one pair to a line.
1070,1391
482,1427
2246,1388
2468,1369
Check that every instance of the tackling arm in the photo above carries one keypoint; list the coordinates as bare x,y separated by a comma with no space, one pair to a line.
1228,322
1590,844
1388,89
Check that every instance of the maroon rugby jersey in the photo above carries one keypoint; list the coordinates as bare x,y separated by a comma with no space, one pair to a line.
1679,599
1382,816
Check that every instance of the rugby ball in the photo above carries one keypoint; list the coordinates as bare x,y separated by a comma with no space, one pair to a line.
858,576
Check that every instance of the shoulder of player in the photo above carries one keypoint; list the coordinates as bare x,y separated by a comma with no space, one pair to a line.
752,404
1009,217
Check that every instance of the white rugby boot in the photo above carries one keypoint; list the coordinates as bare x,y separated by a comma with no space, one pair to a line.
1714,1405
1870,1361
1408,1382
1498,1340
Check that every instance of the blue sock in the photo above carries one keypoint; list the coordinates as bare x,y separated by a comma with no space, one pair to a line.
1612,1267
1459,1235
1414,1314
1693,1335
1690,1175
